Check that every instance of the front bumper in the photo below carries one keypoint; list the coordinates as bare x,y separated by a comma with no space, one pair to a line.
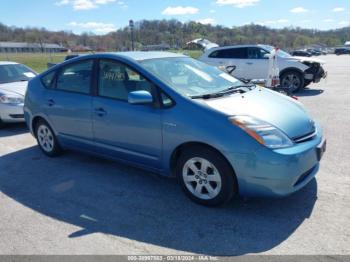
278,173
315,74
11,113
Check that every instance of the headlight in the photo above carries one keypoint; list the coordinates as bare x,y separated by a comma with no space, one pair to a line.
263,132
11,99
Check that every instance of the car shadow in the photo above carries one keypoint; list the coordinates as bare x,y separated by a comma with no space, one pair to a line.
111,198
13,129
309,92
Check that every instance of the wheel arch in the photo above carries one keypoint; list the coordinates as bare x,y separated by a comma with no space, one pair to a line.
35,121
293,69
178,151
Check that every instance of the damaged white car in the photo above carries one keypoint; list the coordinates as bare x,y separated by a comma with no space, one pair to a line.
252,62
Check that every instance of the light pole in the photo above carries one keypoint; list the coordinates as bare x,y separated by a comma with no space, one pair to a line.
131,25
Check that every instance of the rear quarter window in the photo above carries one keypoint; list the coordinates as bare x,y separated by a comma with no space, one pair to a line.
214,54
48,80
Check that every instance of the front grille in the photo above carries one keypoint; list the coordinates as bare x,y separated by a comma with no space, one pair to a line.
17,116
305,138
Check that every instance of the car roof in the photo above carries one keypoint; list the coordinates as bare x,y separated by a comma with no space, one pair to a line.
133,57
8,63
141,56
233,46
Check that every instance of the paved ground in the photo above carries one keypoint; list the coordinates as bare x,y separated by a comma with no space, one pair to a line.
77,204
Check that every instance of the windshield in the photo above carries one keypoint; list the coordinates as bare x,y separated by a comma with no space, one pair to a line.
15,73
190,77
280,52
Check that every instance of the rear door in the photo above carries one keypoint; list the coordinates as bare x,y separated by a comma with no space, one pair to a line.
129,132
68,104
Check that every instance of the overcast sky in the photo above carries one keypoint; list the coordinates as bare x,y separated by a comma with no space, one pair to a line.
103,16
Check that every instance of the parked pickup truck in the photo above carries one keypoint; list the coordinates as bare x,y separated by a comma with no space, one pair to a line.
252,62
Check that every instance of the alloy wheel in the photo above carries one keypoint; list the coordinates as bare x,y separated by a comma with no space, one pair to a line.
291,81
46,138
202,178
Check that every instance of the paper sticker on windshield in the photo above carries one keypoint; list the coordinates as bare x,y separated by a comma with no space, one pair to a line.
228,77
29,74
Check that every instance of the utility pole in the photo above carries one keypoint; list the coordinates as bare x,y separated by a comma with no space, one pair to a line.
132,25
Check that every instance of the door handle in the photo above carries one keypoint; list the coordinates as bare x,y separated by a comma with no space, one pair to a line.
100,112
50,102
249,63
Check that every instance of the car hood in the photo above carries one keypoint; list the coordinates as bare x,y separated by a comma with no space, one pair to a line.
307,59
19,88
279,110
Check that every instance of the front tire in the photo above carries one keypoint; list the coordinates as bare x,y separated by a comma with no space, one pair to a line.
47,140
292,80
307,83
205,176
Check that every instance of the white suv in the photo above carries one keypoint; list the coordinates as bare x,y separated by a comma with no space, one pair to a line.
252,62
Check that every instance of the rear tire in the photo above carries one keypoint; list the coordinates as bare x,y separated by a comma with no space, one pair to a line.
47,140
205,176
293,80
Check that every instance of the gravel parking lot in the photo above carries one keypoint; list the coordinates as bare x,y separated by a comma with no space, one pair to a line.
77,204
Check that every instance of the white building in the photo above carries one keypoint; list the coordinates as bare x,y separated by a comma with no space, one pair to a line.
15,47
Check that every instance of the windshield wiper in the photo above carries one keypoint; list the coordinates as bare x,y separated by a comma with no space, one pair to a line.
234,89
230,90
250,87
207,96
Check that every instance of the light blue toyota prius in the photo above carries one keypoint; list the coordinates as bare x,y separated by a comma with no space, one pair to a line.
178,117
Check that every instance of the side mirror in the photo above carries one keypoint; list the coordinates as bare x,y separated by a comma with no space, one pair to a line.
140,98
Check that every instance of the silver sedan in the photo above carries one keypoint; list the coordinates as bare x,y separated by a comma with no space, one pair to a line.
14,79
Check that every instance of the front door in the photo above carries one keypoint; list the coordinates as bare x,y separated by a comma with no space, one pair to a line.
121,130
256,65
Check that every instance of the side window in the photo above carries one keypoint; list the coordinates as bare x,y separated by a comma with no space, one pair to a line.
48,80
76,78
133,76
238,53
116,80
264,54
233,53
220,54
256,53
214,54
